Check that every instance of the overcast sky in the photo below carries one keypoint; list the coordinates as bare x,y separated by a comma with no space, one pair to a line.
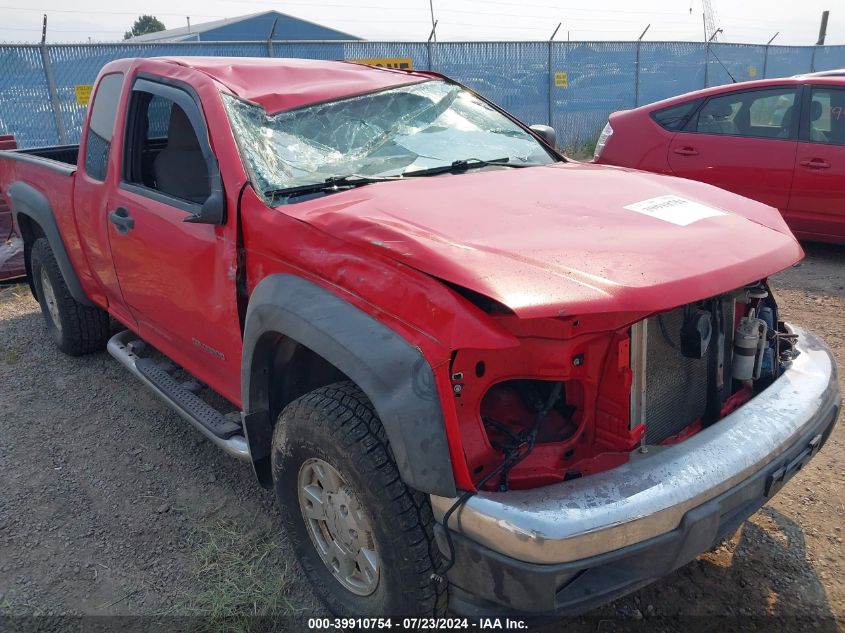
752,21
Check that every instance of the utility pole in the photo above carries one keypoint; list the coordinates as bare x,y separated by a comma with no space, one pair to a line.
188,18
270,38
429,45
707,59
637,67
432,35
551,74
61,132
823,28
433,21
766,56
706,52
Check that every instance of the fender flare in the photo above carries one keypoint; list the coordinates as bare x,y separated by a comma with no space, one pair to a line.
26,200
393,374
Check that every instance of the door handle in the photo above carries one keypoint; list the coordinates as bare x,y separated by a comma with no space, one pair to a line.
122,221
686,151
815,163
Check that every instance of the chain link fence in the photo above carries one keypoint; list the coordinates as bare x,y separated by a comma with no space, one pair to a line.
572,86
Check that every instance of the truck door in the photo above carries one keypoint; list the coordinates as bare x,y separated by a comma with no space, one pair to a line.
177,277
817,205
744,142
92,186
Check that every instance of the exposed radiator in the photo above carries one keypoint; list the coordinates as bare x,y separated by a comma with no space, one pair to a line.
669,391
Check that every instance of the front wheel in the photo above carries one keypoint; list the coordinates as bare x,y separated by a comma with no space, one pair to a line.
361,535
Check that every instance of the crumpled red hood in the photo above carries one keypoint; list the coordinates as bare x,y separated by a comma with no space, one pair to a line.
555,240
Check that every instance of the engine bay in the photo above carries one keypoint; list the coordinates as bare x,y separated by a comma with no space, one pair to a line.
574,400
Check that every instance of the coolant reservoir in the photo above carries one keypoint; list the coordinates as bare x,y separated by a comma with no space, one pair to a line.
749,345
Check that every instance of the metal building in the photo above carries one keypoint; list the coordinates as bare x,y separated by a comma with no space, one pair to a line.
256,26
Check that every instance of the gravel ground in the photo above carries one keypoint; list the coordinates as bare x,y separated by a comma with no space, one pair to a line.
111,505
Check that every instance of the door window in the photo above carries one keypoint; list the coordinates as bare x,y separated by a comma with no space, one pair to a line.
827,116
101,125
163,154
752,113
675,117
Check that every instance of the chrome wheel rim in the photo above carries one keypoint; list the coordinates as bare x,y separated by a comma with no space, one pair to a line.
338,526
50,299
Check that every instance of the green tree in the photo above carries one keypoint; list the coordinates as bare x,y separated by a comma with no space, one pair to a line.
144,24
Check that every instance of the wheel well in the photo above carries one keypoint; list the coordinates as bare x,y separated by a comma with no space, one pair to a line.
29,228
394,373
282,370
295,370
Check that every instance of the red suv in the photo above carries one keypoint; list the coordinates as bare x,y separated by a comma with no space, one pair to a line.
779,141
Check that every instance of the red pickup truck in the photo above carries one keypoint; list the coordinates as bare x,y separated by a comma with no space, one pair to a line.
475,373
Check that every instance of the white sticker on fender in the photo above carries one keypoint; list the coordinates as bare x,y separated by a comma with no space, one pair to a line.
674,209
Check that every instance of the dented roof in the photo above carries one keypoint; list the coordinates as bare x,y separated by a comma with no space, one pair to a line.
279,84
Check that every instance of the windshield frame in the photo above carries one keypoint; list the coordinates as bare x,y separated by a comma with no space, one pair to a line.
554,155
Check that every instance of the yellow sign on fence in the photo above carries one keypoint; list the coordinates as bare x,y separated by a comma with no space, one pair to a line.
399,63
83,94
561,80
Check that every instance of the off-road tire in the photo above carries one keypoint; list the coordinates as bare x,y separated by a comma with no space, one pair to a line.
338,424
80,329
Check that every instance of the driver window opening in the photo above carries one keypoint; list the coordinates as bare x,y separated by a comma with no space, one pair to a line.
163,152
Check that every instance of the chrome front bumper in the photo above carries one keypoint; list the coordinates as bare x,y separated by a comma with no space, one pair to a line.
650,495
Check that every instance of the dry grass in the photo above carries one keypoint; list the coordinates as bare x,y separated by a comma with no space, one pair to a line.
242,581
13,298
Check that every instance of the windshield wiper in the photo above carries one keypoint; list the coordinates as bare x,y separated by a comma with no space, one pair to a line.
464,164
337,183
332,183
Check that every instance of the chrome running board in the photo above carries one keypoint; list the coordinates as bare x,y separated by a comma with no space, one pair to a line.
210,422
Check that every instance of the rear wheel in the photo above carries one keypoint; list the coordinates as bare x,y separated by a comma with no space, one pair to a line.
362,536
77,329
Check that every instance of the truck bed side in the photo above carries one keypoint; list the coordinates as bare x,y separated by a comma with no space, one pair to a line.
57,153
38,186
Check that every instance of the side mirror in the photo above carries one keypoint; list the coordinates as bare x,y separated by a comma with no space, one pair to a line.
213,210
545,132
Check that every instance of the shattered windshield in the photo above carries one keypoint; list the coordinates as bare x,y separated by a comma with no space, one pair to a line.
388,133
